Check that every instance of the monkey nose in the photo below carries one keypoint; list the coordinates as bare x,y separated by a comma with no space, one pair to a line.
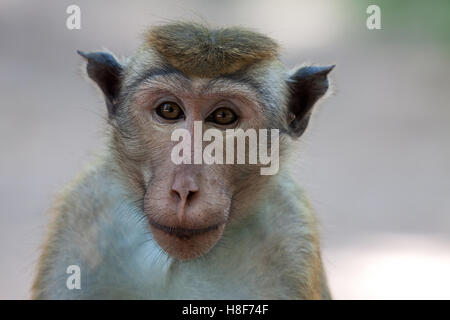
184,187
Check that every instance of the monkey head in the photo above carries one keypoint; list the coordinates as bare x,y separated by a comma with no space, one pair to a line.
184,75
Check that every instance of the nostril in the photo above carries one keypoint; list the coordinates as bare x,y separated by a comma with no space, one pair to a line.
190,195
177,194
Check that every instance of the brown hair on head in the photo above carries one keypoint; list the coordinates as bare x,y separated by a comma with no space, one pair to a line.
199,51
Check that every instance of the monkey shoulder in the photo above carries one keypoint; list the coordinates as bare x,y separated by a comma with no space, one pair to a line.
74,237
292,248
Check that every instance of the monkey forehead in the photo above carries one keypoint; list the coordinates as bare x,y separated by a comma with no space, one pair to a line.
264,82
178,85
197,50
263,90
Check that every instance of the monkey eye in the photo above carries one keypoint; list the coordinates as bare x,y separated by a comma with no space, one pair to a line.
222,116
169,111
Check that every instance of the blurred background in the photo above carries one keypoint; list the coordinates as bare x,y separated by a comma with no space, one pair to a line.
375,161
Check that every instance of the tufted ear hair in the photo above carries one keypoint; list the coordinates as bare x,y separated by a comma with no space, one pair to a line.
106,72
306,86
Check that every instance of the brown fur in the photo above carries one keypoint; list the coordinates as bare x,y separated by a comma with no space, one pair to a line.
198,51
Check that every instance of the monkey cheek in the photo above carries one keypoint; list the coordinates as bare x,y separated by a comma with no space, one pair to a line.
187,248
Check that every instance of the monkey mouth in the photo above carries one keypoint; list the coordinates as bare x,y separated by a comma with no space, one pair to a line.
184,233
185,242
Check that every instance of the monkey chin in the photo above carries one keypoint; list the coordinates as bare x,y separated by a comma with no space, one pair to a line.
186,244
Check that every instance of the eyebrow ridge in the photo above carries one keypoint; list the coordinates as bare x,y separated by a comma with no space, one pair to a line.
152,73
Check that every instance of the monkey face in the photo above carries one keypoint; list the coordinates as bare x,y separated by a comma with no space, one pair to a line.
188,205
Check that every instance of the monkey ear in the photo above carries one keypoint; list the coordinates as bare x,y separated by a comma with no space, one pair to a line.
104,69
306,86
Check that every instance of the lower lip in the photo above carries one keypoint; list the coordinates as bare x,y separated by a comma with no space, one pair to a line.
186,234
